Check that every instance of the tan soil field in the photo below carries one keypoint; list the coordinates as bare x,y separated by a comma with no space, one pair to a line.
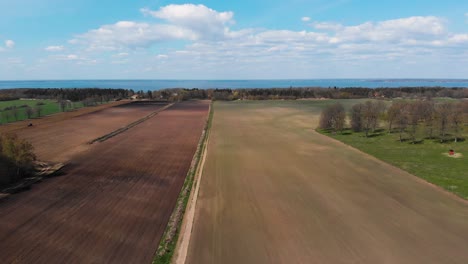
114,201
275,191
59,139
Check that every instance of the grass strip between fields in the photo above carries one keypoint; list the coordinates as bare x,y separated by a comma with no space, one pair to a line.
127,127
168,242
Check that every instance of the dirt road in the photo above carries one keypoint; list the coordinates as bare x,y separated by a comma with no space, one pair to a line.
274,191
113,204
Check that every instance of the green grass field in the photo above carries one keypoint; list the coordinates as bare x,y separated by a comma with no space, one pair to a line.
49,107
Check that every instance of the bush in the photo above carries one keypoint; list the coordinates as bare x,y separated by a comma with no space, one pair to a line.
16,158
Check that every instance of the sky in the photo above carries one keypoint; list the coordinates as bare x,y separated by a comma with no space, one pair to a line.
242,39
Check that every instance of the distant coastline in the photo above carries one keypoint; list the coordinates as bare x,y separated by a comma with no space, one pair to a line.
222,84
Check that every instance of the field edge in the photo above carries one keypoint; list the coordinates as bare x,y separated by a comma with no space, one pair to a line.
169,241
436,187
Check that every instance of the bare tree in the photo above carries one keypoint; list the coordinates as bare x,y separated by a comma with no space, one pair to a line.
428,117
333,117
29,112
370,116
392,114
356,117
401,119
15,112
62,105
443,114
415,113
38,110
456,119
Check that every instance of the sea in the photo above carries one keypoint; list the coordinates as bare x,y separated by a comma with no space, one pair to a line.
233,84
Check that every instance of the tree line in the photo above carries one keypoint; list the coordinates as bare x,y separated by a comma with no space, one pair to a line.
309,92
417,119
179,94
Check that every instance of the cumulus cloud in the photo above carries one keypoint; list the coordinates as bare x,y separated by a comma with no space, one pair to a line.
389,30
210,40
9,44
71,57
179,22
200,19
129,34
55,48
162,56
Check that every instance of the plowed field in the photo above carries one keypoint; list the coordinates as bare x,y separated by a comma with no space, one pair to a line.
58,141
114,202
275,191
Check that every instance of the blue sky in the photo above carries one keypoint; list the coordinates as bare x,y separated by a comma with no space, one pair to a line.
296,39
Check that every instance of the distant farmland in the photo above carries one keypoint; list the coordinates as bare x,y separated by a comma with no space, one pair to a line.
114,201
59,141
275,191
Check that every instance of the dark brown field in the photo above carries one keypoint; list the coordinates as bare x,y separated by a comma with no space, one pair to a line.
59,141
114,202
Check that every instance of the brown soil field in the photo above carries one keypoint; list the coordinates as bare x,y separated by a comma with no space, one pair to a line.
20,125
113,203
275,191
58,141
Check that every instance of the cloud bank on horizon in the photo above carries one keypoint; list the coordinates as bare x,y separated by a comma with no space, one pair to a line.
194,41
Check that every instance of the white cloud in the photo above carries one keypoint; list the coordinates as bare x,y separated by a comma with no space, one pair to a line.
162,56
200,19
9,44
72,57
389,30
128,34
211,44
55,48
121,55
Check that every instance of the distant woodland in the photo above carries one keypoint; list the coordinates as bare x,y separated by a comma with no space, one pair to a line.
180,94
302,93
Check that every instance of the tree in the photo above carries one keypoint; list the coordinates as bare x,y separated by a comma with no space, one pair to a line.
456,119
414,111
14,111
38,109
428,117
402,119
443,116
392,114
62,105
369,119
333,117
19,151
356,117
29,112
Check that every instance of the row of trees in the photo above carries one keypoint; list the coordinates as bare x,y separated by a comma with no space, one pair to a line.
332,93
419,117
16,159
80,94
